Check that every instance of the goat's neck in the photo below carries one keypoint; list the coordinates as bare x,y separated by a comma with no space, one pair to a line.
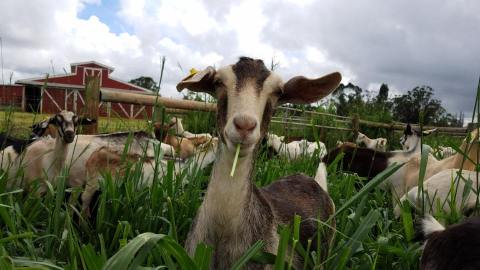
471,151
228,196
60,152
368,142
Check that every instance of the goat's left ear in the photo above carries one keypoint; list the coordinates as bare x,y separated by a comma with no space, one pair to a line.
201,81
86,121
428,132
301,90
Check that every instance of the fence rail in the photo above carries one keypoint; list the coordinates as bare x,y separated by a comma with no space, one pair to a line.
351,123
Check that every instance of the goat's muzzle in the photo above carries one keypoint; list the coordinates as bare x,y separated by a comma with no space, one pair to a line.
244,125
68,136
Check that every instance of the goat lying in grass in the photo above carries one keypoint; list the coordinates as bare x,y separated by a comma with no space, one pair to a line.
412,167
180,131
105,160
379,144
185,147
295,149
368,163
45,158
456,247
449,190
236,213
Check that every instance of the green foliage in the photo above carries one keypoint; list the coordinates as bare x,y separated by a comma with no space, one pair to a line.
351,99
146,82
138,227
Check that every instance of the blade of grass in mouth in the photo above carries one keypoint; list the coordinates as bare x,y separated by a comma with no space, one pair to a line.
234,165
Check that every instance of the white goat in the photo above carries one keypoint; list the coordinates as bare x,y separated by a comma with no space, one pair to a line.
308,148
291,150
379,144
444,190
180,131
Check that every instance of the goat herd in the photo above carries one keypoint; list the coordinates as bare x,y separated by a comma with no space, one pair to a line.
235,213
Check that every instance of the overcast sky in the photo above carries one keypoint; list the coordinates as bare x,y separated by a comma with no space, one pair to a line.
401,43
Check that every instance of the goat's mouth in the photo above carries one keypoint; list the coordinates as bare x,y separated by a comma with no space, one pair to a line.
68,138
245,145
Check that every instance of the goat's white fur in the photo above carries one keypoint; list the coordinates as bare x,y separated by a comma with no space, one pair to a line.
180,131
439,189
379,144
321,176
431,225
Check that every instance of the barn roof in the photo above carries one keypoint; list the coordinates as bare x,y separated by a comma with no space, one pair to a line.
76,79
91,64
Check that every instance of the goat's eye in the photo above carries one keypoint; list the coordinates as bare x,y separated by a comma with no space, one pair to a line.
217,83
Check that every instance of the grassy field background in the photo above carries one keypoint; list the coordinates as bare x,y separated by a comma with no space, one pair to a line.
146,227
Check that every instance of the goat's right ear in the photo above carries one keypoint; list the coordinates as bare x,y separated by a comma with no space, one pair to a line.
201,81
301,90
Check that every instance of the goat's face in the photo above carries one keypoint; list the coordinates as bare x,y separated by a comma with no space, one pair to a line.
360,137
66,123
247,94
411,137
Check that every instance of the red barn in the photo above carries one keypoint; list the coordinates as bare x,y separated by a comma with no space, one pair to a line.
11,95
66,92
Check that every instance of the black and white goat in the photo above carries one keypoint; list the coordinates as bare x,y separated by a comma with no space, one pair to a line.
236,213
368,162
455,247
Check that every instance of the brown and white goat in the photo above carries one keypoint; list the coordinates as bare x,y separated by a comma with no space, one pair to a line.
105,159
184,147
455,247
236,213
45,158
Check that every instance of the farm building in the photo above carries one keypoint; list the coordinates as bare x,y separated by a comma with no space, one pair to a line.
51,94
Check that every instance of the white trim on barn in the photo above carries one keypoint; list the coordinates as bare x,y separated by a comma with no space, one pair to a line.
109,68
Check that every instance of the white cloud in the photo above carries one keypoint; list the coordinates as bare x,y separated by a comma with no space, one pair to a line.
401,44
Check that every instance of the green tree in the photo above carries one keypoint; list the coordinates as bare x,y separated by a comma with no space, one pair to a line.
407,107
146,82
382,96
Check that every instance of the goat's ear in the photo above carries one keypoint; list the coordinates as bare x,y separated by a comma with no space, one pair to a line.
201,81
408,130
86,121
301,90
428,132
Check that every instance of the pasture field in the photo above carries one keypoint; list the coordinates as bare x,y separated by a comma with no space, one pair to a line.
145,228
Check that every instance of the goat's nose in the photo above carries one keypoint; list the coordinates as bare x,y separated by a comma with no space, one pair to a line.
244,124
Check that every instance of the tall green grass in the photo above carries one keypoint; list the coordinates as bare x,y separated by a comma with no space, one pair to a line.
145,227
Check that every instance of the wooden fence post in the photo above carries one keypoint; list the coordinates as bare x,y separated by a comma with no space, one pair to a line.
92,98
355,126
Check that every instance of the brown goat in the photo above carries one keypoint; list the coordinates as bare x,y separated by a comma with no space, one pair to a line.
236,213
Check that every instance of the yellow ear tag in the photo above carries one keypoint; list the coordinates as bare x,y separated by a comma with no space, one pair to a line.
193,71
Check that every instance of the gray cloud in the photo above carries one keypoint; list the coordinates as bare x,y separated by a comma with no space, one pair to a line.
401,43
